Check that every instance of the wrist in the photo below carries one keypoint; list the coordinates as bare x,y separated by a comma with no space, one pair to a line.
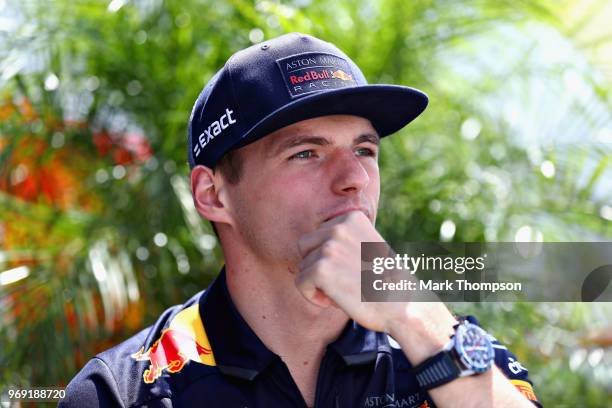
469,352
420,338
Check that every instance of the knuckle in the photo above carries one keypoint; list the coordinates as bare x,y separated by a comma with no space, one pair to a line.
303,280
319,269
338,231
328,249
353,215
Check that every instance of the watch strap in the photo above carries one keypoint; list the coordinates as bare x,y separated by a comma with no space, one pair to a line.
437,370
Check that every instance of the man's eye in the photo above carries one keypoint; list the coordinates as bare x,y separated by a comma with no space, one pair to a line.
306,154
364,151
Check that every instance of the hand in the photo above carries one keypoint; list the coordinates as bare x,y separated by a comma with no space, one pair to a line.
330,270
330,275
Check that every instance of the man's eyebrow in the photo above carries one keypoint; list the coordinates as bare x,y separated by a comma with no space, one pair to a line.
367,137
318,140
297,141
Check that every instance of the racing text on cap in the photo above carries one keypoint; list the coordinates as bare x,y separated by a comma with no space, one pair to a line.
214,129
314,71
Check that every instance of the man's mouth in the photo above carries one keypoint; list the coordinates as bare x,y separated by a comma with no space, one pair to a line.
338,213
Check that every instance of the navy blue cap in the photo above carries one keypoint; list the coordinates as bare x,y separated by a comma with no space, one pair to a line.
282,81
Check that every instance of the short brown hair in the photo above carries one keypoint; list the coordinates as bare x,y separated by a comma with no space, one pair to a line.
230,166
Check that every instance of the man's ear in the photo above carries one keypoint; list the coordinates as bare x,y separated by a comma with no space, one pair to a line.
205,188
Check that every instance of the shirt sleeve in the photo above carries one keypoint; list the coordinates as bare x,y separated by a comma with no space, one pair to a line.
512,368
94,386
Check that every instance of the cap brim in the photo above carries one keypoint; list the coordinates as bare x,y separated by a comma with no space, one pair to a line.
388,107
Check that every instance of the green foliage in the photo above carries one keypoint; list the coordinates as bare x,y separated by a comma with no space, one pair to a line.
127,242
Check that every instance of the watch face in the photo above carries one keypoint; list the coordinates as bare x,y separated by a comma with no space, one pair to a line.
474,347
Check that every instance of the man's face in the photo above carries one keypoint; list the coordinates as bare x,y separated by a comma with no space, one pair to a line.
300,176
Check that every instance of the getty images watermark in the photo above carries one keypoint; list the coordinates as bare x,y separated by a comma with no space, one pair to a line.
488,272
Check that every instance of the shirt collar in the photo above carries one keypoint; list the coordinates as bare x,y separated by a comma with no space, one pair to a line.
358,345
240,353
237,349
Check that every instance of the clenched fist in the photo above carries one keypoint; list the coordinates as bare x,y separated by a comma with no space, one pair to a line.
330,275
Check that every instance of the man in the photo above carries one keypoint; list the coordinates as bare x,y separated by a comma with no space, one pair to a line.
283,146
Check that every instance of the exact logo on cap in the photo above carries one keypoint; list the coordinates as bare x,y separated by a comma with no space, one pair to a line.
213,130
314,71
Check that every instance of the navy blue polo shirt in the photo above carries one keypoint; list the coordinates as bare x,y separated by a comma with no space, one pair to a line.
203,354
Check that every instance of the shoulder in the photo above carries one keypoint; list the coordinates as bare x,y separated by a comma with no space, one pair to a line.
94,386
115,376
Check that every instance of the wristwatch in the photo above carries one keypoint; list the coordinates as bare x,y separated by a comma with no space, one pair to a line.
469,352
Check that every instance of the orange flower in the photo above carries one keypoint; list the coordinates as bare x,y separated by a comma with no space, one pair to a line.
27,110
55,179
7,108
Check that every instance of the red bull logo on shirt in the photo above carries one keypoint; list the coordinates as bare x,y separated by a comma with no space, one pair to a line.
183,341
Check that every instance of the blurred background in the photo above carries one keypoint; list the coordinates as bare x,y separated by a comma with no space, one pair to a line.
98,233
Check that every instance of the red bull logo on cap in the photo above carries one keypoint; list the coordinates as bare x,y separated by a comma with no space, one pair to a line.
315,72
183,341
309,76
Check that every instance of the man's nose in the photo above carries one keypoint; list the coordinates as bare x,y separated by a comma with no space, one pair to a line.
349,174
